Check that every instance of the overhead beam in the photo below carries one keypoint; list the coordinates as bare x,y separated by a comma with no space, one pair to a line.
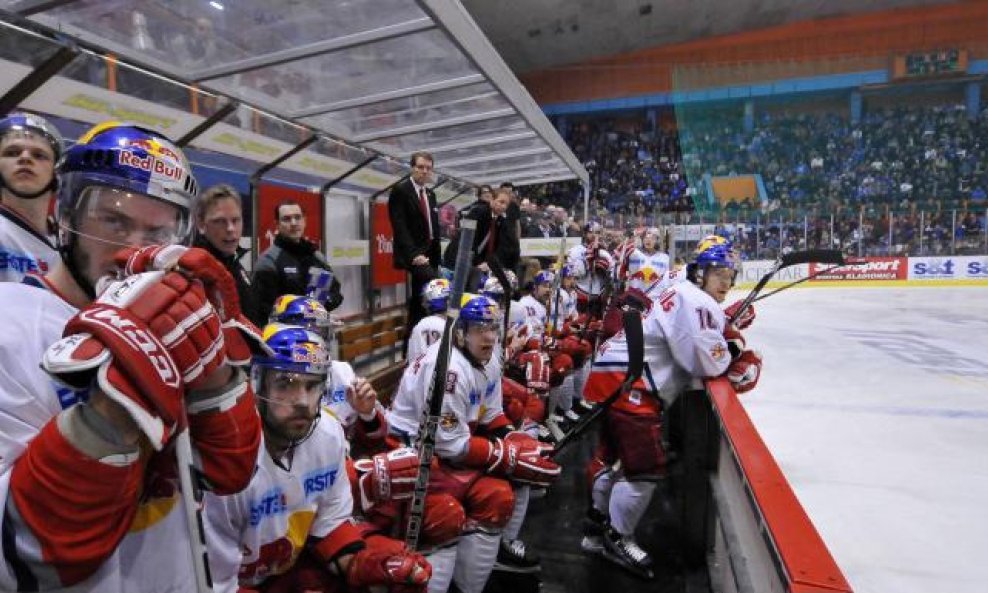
440,148
32,7
493,156
547,164
39,76
434,125
412,91
209,122
511,174
314,49
539,180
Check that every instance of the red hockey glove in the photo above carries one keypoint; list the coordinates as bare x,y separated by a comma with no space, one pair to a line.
745,371
242,337
387,476
536,370
142,341
388,564
601,265
518,457
745,319
736,343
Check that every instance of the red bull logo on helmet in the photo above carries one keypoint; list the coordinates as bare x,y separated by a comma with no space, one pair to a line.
307,352
152,165
159,159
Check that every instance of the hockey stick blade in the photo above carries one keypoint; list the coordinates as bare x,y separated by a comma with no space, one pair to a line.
820,256
793,258
427,431
632,323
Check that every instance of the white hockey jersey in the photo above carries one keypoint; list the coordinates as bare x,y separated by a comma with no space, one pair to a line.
153,556
260,531
684,340
428,331
639,259
567,308
23,249
535,315
589,280
472,396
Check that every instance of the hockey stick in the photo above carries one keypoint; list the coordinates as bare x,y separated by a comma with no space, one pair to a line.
426,441
825,256
632,322
192,505
558,282
498,270
801,280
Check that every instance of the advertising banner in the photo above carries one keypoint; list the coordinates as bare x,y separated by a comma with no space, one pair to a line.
382,248
542,247
269,195
951,267
752,272
864,268
349,252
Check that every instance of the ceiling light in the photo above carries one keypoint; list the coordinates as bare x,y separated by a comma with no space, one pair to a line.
216,5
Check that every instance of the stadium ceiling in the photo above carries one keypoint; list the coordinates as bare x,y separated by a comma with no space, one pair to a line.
392,75
536,34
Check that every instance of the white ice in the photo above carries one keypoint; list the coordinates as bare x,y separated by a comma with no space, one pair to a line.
874,401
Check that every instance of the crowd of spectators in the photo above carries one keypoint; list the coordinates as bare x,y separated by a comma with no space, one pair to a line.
906,179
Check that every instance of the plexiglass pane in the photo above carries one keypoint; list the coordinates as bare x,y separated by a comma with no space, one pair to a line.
356,72
479,130
197,34
413,110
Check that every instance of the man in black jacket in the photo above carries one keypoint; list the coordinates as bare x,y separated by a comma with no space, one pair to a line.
219,227
415,222
494,237
287,266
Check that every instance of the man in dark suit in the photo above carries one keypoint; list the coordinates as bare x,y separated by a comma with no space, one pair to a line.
494,237
415,222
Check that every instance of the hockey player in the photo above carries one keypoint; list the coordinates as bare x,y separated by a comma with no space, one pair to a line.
87,478
429,330
30,148
592,266
648,254
477,451
291,528
684,331
350,399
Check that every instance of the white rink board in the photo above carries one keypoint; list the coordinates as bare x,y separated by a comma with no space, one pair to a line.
874,401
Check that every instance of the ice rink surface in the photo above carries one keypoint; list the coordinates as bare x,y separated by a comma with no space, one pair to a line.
874,402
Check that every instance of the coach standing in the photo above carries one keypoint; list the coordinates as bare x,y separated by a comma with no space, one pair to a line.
415,222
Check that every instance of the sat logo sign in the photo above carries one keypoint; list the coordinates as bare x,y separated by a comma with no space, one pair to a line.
977,268
933,268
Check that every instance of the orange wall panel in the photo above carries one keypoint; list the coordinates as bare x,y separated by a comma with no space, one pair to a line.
883,33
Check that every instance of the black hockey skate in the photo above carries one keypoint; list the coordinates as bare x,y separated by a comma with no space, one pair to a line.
514,556
627,554
582,407
594,525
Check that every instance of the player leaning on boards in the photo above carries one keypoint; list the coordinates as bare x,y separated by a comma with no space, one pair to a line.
30,149
686,338
87,477
291,529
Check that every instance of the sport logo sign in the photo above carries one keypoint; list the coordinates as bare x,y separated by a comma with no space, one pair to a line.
866,268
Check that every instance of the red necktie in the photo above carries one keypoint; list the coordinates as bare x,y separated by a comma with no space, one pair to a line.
492,236
424,206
